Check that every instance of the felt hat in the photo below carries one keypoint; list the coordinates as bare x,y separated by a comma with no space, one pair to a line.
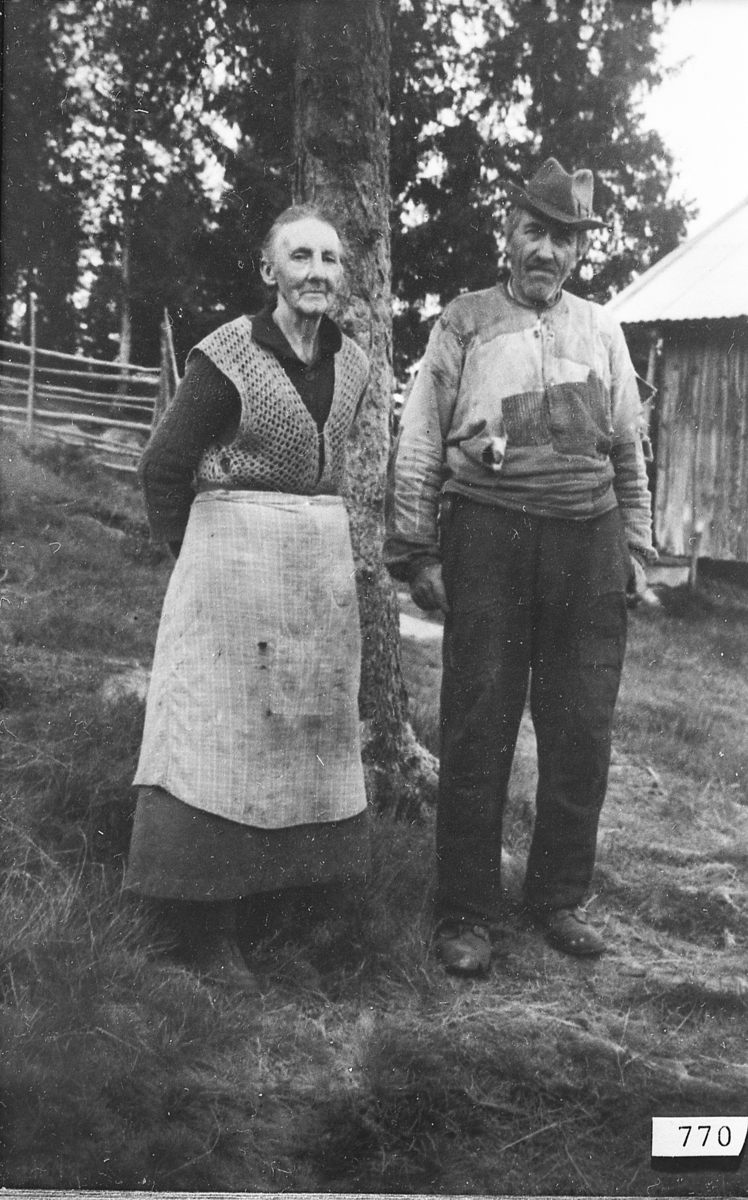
555,195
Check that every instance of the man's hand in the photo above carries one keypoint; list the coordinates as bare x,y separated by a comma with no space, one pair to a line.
427,589
638,587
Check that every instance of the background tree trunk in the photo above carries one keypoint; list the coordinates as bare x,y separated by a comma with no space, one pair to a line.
125,307
341,131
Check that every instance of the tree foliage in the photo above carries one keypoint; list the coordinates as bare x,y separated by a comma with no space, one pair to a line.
586,68
517,82
146,153
41,204
138,98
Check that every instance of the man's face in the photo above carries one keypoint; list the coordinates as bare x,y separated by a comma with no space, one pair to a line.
542,255
306,266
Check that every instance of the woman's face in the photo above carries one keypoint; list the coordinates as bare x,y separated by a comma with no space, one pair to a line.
305,264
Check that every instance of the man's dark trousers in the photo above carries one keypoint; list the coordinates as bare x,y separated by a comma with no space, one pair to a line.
541,600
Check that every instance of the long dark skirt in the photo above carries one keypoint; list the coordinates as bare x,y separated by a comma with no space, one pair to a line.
178,852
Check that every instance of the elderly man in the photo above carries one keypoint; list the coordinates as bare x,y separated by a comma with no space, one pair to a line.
520,507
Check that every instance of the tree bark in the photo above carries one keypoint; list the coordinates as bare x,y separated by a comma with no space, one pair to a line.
341,128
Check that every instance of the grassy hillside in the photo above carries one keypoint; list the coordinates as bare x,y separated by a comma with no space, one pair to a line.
363,1068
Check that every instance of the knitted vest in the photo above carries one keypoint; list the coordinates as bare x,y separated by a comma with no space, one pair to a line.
276,447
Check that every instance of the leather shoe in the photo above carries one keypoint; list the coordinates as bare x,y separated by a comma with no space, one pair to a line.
464,949
567,930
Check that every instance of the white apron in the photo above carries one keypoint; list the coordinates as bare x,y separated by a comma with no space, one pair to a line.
252,709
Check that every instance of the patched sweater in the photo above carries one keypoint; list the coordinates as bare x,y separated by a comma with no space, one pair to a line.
535,410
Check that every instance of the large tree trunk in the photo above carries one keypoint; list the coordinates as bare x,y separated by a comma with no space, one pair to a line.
342,153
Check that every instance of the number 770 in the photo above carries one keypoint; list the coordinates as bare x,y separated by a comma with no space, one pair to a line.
707,1130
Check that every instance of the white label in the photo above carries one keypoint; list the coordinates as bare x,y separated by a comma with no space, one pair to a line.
698,1137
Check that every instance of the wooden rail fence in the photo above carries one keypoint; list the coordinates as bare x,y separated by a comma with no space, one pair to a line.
107,407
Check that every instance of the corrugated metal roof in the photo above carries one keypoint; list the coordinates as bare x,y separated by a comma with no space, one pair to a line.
706,277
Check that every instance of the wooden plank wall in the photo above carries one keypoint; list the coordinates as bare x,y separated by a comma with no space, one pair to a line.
702,442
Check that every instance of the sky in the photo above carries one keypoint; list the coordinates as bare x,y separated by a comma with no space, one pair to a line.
702,114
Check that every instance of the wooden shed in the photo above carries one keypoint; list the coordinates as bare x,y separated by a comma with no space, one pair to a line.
686,321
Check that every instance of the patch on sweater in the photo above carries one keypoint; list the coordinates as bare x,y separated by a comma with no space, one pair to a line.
572,417
488,449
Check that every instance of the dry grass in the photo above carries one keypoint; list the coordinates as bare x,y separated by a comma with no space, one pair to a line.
362,1068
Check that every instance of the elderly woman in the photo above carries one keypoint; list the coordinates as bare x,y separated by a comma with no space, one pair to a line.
250,769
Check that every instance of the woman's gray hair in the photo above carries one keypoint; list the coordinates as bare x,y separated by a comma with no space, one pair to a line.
301,212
